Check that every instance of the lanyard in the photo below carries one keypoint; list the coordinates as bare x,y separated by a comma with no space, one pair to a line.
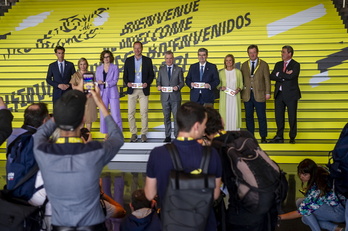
181,138
220,133
257,66
63,140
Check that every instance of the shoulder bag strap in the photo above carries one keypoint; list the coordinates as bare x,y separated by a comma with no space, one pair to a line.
205,159
31,173
9,147
174,156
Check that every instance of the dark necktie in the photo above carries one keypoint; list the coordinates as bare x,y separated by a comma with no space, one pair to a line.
61,69
252,68
201,74
169,73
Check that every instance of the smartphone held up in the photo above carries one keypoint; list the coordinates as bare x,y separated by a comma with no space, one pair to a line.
88,82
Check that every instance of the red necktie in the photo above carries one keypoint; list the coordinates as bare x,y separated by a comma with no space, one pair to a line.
284,67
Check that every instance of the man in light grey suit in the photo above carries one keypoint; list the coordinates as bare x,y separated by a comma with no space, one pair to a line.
170,81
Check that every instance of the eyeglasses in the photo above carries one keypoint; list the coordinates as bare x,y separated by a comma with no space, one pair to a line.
105,57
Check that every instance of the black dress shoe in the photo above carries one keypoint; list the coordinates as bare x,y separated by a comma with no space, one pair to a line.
277,140
167,140
263,140
292,141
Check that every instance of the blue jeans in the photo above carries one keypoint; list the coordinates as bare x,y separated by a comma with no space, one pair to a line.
324,216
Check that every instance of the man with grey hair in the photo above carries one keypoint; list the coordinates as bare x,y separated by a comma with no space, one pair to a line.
170,81
202,79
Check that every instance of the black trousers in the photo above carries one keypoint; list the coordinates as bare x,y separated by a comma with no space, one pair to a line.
281,102
97,227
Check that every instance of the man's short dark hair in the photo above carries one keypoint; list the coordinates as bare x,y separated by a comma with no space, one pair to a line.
252,47
69,110
188,114
58,48
214,122
141,44
289,49
35,114
203,50
139,200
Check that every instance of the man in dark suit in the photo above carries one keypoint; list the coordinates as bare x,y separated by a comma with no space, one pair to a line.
170,81
137,76
59,74
286,93
6,118
202,79
256,90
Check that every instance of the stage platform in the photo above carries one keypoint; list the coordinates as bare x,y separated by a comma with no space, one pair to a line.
133,156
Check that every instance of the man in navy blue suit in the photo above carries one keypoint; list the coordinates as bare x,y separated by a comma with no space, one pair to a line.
202,79
59,74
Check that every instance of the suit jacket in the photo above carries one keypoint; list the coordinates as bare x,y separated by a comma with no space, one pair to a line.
110,89
54,78
146,72
289,82
176,79
261,82
6,118
210,76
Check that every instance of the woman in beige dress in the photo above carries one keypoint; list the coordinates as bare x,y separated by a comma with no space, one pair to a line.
77,84
231,79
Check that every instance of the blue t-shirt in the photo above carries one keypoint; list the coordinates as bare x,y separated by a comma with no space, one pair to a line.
160,164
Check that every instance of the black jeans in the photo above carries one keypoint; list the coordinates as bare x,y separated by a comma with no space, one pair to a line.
97,227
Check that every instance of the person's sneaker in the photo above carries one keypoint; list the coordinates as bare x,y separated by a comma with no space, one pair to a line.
134,138
143,138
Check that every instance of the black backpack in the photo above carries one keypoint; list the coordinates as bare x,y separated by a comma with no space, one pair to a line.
189,197
254,181
17,214
338,164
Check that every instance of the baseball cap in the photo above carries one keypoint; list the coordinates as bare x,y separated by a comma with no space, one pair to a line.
69,110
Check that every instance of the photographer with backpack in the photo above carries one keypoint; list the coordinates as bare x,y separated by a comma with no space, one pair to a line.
6,118
191,120
21,161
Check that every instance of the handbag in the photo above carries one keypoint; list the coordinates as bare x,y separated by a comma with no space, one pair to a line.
17,214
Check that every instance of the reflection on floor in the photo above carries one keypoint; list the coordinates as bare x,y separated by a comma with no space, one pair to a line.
133,181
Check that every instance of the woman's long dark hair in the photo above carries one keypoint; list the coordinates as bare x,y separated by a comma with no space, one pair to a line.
318,176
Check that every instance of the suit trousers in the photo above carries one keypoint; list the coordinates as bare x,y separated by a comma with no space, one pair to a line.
144,102
280,102
260,108
115,113
168,108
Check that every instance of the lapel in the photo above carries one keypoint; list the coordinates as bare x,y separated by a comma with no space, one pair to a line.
174,71
206,71
58,69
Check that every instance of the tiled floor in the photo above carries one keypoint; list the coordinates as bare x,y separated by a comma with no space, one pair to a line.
133,181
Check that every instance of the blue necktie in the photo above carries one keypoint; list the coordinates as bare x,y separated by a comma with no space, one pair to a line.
169,73
201,74
61,69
